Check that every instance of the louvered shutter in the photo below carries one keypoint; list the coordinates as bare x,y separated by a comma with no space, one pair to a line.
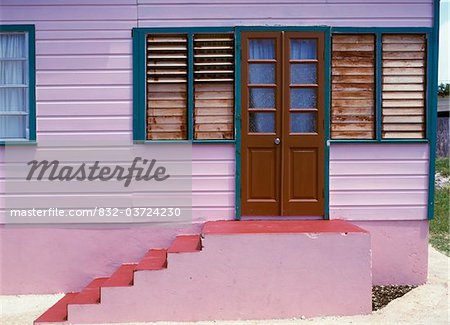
167,76
353,87
213,86
404,86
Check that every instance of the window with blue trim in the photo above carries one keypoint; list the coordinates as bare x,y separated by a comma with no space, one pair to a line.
379,86
17,117
189,92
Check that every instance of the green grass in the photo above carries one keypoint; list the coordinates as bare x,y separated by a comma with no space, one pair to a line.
442,166
439,226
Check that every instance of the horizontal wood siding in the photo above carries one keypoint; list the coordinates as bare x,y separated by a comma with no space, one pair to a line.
212,192
353,87
379,181
84,84
83,68
404,85
84,98
373,13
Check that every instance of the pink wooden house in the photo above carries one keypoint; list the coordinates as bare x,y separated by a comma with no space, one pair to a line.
311,126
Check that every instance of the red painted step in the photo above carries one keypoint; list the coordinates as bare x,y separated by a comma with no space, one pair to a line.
155,259
270,226
58,312
123,277
186,243
90,294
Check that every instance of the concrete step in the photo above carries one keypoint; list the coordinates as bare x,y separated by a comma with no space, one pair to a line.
123,277
186,244
241,270
58,312
155,259
90,294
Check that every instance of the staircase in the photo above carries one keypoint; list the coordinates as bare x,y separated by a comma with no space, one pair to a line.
234,270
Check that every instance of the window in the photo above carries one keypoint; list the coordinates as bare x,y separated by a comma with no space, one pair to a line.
189,86
17,106
393,90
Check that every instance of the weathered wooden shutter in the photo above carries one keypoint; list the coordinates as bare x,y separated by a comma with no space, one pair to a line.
214,86
167,76
404,86
353,87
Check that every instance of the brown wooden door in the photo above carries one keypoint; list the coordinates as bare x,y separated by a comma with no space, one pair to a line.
282,124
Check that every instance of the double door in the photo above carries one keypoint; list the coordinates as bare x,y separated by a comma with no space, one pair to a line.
282,144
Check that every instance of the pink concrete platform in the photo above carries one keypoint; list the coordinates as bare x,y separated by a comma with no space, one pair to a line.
265,270
278,227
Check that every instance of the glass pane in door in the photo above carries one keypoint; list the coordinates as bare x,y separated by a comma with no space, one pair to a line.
303,98
261,73
304,122
304,73
262,122
262,97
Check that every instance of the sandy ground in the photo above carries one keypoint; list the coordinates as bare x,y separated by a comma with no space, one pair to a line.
428,304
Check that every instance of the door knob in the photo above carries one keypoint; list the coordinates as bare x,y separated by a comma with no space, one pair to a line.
277,141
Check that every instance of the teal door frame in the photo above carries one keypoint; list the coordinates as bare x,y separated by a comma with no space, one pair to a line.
327,62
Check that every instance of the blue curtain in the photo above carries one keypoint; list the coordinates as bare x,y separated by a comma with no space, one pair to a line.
303,49
13,86
261,49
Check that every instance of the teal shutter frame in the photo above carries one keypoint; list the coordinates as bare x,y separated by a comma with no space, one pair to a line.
139,72
379,32
139,82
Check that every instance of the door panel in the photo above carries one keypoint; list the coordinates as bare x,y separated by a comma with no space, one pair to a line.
303,127
303,182
261,122
282,124
262,161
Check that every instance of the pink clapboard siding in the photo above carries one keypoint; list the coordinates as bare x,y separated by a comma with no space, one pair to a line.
356,13
213,182
379,181
83,79
212,194
84,97
84,92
